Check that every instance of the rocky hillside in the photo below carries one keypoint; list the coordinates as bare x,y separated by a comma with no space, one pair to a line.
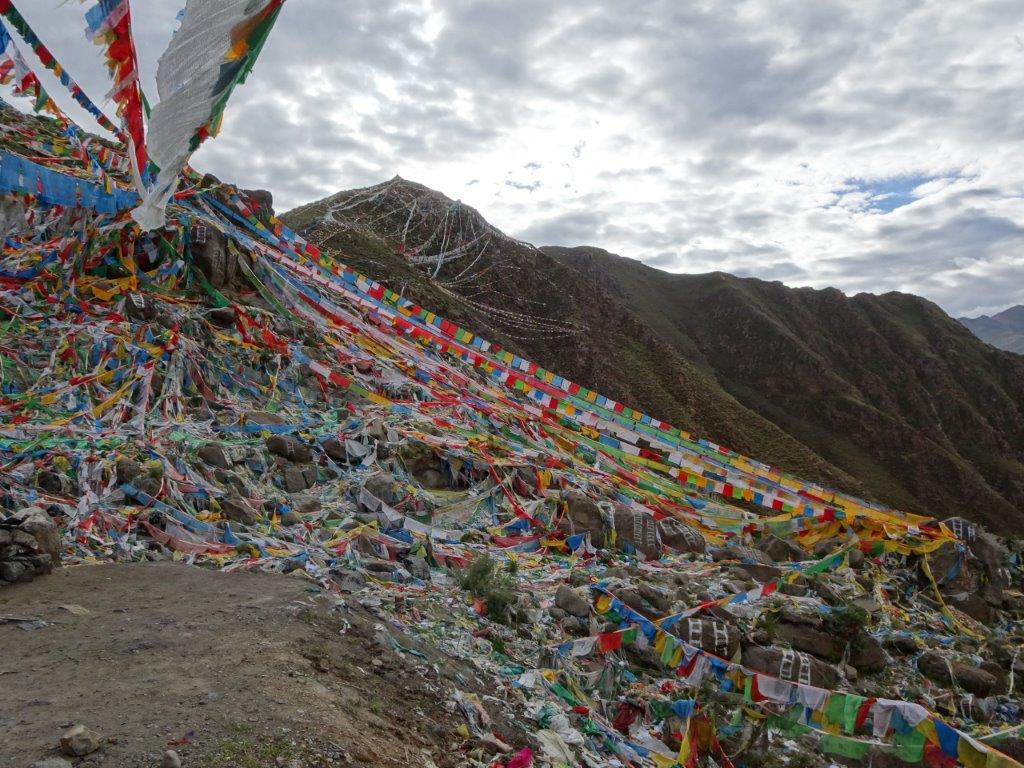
885,389
1004,330
413,546
444,255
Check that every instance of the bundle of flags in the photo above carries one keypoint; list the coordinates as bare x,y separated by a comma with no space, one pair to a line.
214,50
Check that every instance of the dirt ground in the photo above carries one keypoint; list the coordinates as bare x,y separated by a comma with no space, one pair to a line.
242,669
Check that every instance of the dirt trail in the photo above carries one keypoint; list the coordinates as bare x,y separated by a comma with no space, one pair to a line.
252,669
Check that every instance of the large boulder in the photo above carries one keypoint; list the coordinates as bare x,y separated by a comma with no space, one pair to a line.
790,665
35,522
681,537
867,655
239,510
289,447
944,671
583,515
781,550
572,602
808,639
214,456
297,479
637,531
711,635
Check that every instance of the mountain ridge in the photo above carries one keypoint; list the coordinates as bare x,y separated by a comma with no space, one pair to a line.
1004,329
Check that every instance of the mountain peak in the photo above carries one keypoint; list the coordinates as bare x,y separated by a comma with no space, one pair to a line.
1004,329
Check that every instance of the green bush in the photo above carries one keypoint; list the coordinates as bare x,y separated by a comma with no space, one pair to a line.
485,579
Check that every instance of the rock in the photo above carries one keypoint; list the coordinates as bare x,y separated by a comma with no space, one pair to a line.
781,550
759,572
127,470
975,605
634,600
1000,673
791,666
211,255
299,479
385,488
222,317
214,456
170,760
54,484
262,200
79,741
584,516
139,307
15,570
264,417
810,640
431,479
334,448
867,655
348,581
822,588
570,601
904,644
290,517
743,554
935,666
710,635
680,536
419,568
653,596
1013,747
637,531
239,510
792,589
290,448
35,521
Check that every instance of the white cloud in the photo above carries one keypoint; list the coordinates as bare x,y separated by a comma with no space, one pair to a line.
763,138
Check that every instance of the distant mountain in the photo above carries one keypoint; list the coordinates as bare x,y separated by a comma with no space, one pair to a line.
883,396
1005,330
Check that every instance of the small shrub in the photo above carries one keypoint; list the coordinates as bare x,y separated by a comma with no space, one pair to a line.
485,580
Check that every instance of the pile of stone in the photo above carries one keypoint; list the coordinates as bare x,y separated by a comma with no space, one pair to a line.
29,545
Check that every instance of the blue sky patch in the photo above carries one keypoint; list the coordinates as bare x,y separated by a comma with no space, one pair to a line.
886,195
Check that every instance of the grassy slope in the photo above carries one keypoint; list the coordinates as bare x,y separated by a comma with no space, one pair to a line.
888,388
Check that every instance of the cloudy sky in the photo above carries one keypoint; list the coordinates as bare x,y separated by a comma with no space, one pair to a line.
871,145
